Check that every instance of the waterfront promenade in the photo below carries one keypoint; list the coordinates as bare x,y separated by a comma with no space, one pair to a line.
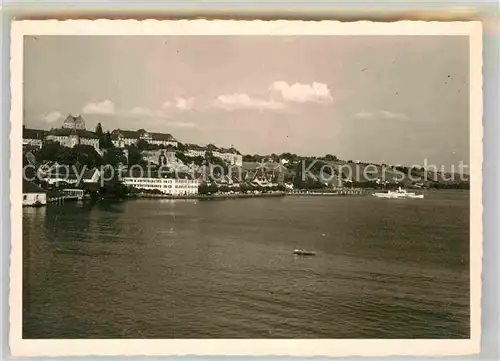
348,192
222,196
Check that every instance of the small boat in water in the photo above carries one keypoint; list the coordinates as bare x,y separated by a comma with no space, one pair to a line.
303,252
398,194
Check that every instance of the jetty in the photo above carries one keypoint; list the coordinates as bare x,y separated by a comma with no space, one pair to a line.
209,196
64,195
340,192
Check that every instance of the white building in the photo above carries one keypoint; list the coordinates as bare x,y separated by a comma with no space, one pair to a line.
159,157
33,195
123,138
69,175
194,150
170,186
230,156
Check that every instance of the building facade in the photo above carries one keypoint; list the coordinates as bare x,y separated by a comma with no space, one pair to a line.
65,174
230,156
123,138
193,150
33,137
159,157
172,186
72,122
33,195
73,132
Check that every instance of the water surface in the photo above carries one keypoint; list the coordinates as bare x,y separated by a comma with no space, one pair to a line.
226,269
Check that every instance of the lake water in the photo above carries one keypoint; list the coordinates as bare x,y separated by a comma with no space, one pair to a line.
226,269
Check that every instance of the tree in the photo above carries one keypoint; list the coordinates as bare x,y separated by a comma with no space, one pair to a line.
198,160
182,157
216,161
180,147
80,154
113,157
112,188
211,147
85,155
142,144
49,152
290,157
206,188
224,188
105,141
330,158
98,130
248,158
134,156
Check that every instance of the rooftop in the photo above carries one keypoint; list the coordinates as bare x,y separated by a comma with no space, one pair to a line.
136,134
34,133
29,187
82,133
74,122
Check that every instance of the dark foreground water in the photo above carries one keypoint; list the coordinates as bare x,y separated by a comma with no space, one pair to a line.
226,269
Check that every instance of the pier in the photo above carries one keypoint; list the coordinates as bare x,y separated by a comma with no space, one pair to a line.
340,192
67,195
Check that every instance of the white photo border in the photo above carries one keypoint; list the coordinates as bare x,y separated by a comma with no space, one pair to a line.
250,347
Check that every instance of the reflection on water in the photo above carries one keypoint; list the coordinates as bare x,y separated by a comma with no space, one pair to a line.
188,269
34,212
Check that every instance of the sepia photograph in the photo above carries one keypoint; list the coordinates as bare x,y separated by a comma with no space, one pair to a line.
246,180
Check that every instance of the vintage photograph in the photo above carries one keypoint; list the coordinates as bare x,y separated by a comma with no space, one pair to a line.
248,186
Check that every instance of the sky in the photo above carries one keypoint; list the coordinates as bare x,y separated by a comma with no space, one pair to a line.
384,99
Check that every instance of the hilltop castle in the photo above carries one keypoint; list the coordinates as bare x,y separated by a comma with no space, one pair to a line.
73,132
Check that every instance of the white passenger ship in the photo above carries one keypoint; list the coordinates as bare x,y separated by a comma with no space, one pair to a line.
400,193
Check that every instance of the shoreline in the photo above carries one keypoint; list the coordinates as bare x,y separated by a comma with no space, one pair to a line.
248,195
204,197
61,200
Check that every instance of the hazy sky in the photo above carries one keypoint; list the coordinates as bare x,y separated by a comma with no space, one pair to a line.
374,98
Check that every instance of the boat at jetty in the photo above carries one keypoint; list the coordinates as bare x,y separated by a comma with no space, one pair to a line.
303,252
398,194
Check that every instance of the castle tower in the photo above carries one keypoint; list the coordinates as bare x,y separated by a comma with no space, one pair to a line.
72,122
